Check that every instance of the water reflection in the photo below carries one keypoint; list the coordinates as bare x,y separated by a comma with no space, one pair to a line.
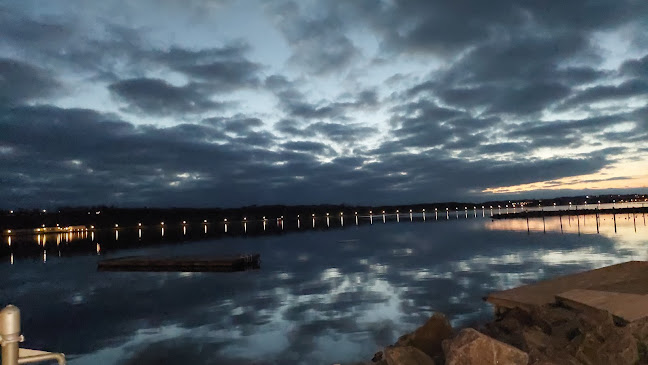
334,300
625,229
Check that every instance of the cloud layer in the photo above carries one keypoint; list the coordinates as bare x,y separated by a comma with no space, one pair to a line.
317,102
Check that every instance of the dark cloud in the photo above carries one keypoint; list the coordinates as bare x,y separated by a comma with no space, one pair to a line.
225,68
158,97
21,82
521,58
316,42
518,74
297,106
338,132
636,67
83,155
444,28
238,124
508,147
625,90
528,99
23,30
341,132
305,146
566,133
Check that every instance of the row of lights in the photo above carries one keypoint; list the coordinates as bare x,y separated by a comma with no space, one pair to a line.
512,204
184,222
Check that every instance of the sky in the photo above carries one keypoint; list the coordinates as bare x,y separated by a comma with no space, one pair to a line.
230,103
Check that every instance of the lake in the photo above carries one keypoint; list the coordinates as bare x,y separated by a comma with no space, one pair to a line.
321,296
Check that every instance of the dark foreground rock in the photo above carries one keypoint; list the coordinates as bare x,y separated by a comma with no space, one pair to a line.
545,335
553,334
406,355
429,337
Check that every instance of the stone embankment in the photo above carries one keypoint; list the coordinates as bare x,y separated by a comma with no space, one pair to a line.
550,334
596,317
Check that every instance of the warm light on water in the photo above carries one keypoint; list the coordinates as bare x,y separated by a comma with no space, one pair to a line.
623,228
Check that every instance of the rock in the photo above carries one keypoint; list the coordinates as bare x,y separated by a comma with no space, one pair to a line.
474,348
404,340
639,329
406,355
549,316
535,338
552,356
514,320
618,347
377,356
428,337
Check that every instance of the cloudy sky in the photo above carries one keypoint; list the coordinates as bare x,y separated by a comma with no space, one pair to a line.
228,103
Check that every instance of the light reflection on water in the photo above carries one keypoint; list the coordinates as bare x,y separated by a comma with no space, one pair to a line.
320,296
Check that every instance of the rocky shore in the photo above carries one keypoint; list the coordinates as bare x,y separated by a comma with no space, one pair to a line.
551,334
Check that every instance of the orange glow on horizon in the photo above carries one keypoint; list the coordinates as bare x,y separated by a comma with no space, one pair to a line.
630,175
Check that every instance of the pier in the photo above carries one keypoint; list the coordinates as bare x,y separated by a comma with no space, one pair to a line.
569,212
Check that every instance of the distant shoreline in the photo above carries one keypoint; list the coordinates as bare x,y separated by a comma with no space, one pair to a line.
107,217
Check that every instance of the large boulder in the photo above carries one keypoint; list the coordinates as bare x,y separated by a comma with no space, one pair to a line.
406,355
471,347
428,337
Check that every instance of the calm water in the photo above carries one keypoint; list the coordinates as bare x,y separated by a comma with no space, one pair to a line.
320,297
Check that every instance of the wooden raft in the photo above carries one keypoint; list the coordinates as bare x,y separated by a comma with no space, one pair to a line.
183,264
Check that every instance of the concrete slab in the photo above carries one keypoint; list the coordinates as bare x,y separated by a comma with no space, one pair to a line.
629,278
629,307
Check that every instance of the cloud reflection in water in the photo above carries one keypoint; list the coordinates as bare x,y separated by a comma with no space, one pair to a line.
320,297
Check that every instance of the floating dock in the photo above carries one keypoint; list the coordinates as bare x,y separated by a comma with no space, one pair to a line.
183,264
621,290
